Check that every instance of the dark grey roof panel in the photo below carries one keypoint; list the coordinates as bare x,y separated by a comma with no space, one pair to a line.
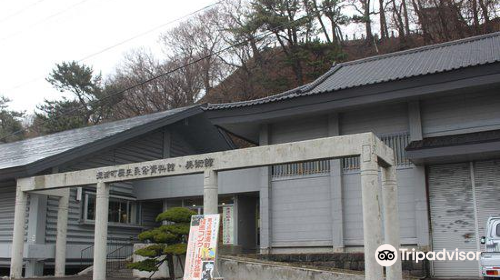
455,140
32,150
421,61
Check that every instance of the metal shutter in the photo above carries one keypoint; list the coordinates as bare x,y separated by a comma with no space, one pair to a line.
487,179
452,217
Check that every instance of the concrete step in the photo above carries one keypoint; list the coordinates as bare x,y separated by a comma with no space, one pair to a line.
122,273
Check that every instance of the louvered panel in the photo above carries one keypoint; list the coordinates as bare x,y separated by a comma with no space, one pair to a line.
452,216
7,200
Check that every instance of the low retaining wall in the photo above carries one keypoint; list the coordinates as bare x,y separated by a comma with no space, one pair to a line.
351,261
238,268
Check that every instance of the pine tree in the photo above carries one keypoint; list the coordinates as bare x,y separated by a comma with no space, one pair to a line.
168,241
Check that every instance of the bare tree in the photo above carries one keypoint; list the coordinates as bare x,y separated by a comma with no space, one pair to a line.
169,85
199,39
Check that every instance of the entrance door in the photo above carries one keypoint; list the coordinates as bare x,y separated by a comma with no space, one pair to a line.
453,218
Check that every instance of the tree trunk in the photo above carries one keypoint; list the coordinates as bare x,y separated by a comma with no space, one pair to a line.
171,267
297,66
484,9
398,19
384,32
407,19
422,20
368,23
475,15
320,20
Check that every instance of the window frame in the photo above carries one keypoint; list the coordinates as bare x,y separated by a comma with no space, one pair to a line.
117,198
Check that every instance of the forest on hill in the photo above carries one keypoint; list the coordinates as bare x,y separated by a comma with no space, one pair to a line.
245,49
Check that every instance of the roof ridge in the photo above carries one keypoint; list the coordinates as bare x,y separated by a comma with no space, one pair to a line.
422,48
290,91
335,67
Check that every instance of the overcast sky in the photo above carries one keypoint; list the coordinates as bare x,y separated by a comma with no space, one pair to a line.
37,34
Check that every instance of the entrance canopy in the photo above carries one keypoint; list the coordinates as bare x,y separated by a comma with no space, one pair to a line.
372,151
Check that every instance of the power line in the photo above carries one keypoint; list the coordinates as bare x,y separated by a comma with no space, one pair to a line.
43,20
149,31
257,39
22,10
122,42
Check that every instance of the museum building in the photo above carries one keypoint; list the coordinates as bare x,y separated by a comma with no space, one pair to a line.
437,106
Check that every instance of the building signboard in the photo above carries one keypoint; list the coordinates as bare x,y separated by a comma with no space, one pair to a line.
202,247
227,225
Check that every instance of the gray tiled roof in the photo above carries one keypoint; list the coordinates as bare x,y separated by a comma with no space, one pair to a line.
35,149
421,61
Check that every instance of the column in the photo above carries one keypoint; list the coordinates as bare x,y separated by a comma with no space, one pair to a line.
372,222
421,215
391,218
36,231
16,264
265,196
210,193
336,190
62,229
101,231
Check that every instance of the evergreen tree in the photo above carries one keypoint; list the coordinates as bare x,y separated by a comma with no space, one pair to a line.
168,240
89,105
11,127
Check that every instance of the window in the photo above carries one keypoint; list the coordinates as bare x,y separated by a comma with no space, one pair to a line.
122,210
498,229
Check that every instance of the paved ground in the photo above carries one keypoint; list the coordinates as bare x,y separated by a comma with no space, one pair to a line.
77,277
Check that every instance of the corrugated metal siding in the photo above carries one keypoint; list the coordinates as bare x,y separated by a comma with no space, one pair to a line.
478,112
380,120
7,201
299,130
301,212
144,148
452,216
7,206
397,142
179,147
150,210
487,178
353,209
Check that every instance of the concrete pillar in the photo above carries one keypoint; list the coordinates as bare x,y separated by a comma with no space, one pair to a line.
16,264
265,196
421,211
391,218
210,193
336,190
101,231
372,222
36,231
62,229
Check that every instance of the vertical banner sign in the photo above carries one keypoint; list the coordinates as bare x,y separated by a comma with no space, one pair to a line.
227,225
202,247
